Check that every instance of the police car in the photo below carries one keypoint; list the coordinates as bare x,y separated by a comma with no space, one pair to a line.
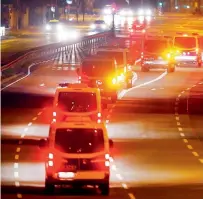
78,155
187,49
76,100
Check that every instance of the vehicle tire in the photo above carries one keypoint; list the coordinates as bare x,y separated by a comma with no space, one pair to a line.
144,69
105,189
49,188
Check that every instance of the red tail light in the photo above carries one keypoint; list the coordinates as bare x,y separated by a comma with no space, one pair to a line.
103,162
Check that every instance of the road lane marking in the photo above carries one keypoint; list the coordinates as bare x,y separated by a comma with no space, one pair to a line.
16,157
180,129
34,118
124,186
131,196
185,140
189,146
39,113
16,175
29,124
195,154
18,149
17,184
19,195
121,95
15,165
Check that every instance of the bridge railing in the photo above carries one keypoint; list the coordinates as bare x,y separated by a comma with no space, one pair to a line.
45,53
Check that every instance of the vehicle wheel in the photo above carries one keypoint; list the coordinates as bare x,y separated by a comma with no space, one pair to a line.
49,188
105,189
144,69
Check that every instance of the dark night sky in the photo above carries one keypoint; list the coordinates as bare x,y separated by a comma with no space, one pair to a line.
99,3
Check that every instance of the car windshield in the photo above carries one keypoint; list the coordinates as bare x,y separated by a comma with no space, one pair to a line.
79,140
116,55
156,46
99,22
185,42
98,68
77,101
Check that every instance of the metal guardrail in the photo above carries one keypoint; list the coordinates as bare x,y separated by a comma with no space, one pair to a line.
21,64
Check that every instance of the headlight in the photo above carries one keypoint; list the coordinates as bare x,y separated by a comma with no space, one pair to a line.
48,27
93,26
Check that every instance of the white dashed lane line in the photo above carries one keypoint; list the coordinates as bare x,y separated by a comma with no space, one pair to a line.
17,155
180,129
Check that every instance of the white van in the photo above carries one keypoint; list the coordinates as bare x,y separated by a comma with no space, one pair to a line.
78,155
76,100
187,49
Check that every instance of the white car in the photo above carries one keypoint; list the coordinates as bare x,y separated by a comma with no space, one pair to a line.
99,25
76,100
78,155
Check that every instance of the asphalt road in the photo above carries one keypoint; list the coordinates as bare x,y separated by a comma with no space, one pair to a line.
156,128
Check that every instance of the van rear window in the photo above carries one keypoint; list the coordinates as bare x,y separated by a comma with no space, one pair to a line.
74,140
77,101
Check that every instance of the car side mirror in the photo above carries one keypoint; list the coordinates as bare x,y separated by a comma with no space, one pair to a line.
43,143
110,143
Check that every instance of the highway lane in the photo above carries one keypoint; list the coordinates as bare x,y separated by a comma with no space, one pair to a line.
155,153
151,158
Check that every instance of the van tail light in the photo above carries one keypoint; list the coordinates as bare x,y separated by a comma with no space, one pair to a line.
197,50
79,80
97,117
102,162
